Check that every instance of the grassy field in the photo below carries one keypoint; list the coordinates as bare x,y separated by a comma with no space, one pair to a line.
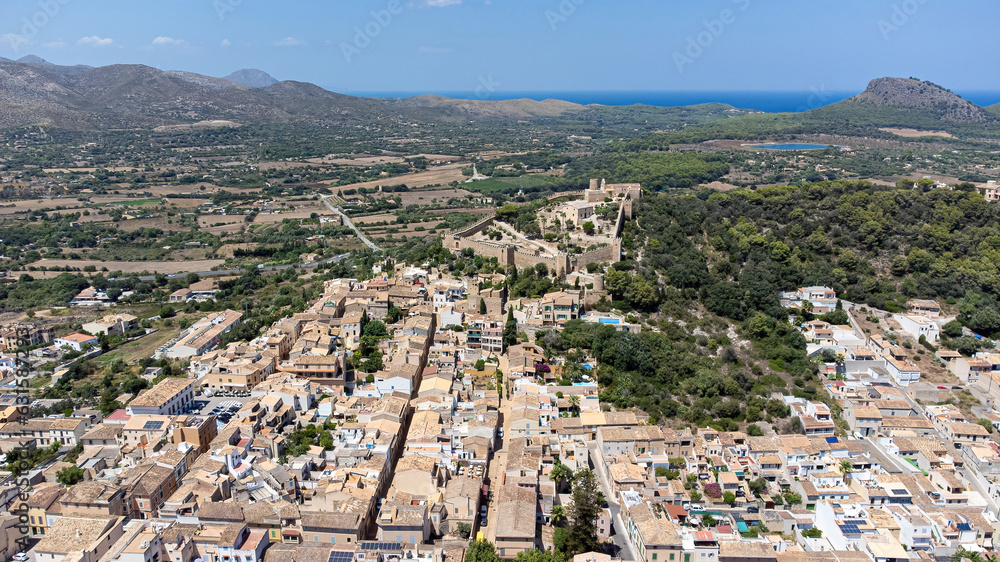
144,347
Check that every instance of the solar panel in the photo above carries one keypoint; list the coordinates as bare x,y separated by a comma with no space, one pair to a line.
850,529
964,527
153,424
900,492
341,556
832,440
382,546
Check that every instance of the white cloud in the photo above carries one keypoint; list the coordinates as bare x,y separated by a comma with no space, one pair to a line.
95,41
226,43
441,3
162,41
290,42
55,45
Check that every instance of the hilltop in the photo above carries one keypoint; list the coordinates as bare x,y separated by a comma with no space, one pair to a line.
252,77
913,94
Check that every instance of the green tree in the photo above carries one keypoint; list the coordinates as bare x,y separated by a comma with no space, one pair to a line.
846,466
758,487
375,329
69,476
394,314
463,529
696,496
754,430
559,516
561,474
510,329
481,551
961,555
792,498
583,512
729,498
482,306
987,424
540,556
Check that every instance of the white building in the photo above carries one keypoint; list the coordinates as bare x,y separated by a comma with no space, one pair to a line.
76,342
170,397
917,326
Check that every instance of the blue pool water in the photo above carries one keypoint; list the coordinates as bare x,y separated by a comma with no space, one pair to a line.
608,320
789,146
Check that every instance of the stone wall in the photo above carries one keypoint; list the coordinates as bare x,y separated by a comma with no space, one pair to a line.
610,254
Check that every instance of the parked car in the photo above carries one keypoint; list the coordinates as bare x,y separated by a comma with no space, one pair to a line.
20,557
753,509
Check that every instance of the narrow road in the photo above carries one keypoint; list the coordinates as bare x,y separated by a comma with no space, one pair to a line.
620,537
348,222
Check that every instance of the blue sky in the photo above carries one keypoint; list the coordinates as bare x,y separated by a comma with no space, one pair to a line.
526,45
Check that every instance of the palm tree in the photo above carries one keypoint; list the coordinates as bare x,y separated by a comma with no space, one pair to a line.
963,555
558,516
846,467
574,402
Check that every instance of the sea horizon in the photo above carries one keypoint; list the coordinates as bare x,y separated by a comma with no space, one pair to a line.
767,101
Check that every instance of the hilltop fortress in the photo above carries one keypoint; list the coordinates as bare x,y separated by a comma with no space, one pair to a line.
514,248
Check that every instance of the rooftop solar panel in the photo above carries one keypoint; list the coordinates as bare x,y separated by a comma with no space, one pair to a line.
341,556
153,424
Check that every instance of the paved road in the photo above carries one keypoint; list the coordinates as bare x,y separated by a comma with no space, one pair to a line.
225,272
348,222
620,537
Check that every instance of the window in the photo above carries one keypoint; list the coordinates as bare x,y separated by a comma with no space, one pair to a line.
654,556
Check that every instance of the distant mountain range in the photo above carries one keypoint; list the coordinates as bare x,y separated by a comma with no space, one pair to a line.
34,91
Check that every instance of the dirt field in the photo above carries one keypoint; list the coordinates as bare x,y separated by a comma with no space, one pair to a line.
227,250
298,213
18,207
363,160
135,266
439,175
427,197
914,133
373,218
477,211
212,220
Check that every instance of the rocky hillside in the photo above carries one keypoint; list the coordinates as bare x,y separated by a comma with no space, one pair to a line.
252,77
910,93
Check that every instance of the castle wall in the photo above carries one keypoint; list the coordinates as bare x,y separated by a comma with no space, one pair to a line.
610,254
